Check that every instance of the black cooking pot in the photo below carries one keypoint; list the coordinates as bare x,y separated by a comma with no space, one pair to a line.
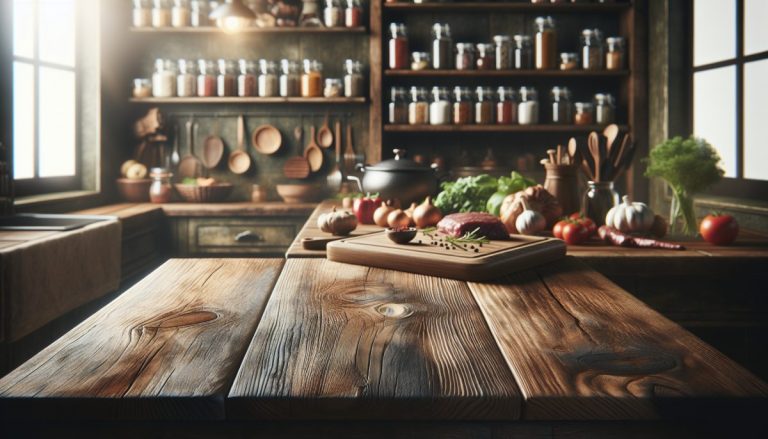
400,178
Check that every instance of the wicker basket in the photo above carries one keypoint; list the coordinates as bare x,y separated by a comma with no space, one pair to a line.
204,194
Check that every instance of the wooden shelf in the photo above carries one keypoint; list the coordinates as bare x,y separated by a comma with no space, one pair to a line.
249,100
482,7
252,30
545,128
506,73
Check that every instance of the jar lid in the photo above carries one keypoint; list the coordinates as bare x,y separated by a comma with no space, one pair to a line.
501,38
465,47
522,38
581,106
399,163
506,93
160,173
560,92
485,47
603,98
484,92
548,21
614,40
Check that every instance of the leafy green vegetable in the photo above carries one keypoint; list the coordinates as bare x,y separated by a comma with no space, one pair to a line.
474,194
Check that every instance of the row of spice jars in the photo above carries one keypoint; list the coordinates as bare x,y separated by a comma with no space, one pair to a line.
229,78
342,13
600,111
172,13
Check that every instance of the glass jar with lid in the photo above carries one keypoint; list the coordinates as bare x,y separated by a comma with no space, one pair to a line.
465,56
503,52
569,61
142,88
484,105
523,52
506,106
206,78
199,13
614,57
486,57
186,82
164,78
289,78
418,107
246,80
592,56
161,13
333,14
528,106
353,14
334,88
398,46
463,106
546,44
561,105
267,80
420,61
160,190
605,109
142,13
226,81
353,78
442,47
440,107
181,13
312,79
583,114
599,198
398,106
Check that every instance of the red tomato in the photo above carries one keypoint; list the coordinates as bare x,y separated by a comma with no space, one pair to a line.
557,229
588,223
364,208
719,229
575,233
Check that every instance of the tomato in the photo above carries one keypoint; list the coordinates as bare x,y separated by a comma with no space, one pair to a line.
364,208
575,233
586,221
557,230
719,229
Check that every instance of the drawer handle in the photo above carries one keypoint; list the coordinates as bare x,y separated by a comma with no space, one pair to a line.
248,236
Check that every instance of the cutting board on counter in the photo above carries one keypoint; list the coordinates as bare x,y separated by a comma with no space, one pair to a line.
492,260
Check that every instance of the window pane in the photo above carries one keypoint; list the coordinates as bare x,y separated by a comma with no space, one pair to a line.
714,112
57,31
57,122
755,29
755,117
23,120
24,28
714,29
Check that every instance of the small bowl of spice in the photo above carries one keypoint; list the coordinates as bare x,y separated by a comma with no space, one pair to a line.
401,235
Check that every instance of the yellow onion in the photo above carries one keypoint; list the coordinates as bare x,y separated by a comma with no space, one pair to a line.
398,219
427,214
381,213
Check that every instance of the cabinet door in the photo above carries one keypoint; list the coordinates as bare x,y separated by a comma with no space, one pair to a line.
240,235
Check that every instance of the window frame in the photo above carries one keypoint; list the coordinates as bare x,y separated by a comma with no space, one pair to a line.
47,185
729,186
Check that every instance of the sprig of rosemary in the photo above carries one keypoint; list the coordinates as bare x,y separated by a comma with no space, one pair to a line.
468,241
473,237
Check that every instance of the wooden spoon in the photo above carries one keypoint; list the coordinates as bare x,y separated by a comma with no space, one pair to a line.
611,132
335,177
239,160
313,153
175,157
213,149
188,165
349,153
325,136
593,142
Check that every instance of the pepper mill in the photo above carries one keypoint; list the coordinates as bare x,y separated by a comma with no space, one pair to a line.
562,182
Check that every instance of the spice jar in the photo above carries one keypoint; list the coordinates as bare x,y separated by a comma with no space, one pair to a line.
398,106
398,46
226,81
353,78
592,49
599,198
312,79
267,80
442,47
465,56
523,53
181,13
186,82
164,78
420,60
333,14
199,13
569,61
614,57
289,78
418,108
486,57
353,14
246,81
546,43
142,88
503,52
604,109
462,106
206,78
161,189
440,108
484,105
334,88
161,13
142,13
561,105
583,114
506,106
528,106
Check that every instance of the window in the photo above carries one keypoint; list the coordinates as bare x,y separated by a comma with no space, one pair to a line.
45,96
729,89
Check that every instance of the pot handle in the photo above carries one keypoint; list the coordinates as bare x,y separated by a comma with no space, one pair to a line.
359,167
357,180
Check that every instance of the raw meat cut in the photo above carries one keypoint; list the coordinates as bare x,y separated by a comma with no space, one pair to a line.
457,224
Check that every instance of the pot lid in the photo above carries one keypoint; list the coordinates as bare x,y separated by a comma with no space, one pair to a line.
399,163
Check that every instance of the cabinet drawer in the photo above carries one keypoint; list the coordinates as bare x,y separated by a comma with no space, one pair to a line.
239,235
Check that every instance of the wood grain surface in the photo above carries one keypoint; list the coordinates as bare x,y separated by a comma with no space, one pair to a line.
348,342
167,348
582,348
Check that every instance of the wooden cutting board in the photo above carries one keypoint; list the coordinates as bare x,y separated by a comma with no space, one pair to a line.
490,261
